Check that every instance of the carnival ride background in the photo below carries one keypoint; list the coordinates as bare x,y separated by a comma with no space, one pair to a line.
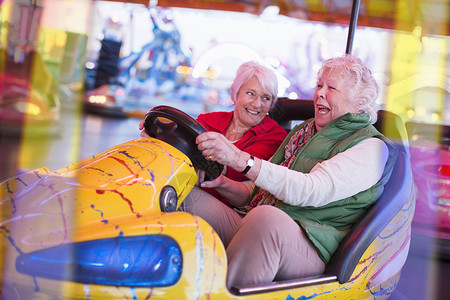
209,45
188,56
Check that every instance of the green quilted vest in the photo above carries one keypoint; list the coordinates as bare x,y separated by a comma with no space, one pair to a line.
326,226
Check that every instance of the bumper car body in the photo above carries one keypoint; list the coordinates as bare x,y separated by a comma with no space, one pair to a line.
107,100
107,228
23,106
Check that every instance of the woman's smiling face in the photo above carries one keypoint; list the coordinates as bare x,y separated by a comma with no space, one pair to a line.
333,97
252,103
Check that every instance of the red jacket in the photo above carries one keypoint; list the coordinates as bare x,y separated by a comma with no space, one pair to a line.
261,140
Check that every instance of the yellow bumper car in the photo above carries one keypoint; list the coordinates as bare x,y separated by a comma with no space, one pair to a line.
107,228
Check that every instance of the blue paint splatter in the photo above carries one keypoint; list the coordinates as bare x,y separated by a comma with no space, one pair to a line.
133,292
401,223
101,214
386,291
152,175
7,235
100,170
21,181
14,210
36,286
289,297
37,174
135,160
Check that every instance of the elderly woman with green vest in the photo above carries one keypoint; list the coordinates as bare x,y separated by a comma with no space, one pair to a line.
296,208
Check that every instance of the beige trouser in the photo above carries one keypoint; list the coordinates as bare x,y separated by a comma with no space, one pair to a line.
264,246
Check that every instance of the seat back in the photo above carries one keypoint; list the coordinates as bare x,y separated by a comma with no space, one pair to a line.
396,194
287,110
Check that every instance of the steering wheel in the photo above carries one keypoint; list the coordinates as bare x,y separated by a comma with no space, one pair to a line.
178,129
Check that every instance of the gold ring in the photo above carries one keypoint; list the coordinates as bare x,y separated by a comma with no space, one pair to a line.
208,157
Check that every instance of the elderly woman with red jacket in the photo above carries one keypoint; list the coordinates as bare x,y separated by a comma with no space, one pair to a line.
248,127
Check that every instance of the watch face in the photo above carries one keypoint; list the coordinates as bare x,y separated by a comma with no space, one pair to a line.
250,162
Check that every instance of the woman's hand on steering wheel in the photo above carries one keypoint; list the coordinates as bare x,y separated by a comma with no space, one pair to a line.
216,147
212,183
180,130
142,129
218,182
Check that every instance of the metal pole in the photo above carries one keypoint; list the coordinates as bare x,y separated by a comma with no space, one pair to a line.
352,26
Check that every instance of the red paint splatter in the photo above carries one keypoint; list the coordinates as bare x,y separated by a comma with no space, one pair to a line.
128,201
149,294
160,227
123,198
123,163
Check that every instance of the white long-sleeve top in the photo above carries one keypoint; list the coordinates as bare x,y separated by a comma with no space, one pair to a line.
344,175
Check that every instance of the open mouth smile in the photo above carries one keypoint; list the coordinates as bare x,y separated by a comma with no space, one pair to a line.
252,112
323,109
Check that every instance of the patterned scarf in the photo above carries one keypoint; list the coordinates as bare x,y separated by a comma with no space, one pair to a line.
291,150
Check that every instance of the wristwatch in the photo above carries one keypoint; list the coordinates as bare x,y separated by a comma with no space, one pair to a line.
250,163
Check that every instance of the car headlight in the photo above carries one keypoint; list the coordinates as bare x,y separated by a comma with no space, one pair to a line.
98,99
168,199
135,261
440,183
28,108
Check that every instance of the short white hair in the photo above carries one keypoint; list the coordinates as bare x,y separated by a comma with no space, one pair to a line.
359,76
266,77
